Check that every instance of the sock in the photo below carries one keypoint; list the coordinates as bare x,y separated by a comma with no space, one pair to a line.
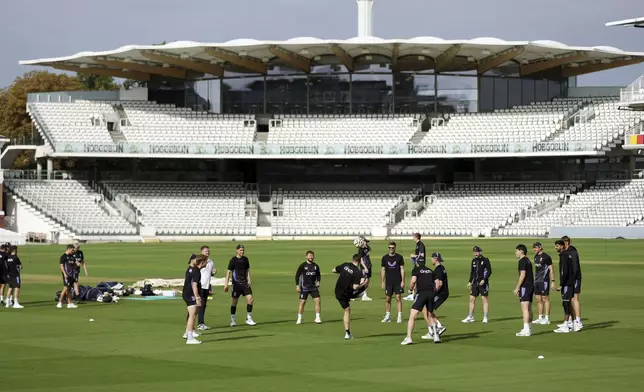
249,309
347,331
1,298
484,315
438,324
578,320
387,314
399,315
546,318
233,310
190,334
526,327
365,294
471,315
540,317
299,317
430,329
317,316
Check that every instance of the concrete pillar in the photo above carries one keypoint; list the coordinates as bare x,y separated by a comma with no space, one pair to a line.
631,166
50,168
38,169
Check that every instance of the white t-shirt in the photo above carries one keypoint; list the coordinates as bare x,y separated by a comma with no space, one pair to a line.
206,274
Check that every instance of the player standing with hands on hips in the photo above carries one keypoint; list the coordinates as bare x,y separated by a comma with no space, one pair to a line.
479,284
307,282
239,269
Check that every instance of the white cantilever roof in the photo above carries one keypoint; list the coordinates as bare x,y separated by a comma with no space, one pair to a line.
637,22
192,60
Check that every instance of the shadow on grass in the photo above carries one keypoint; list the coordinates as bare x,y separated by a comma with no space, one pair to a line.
500,320
237,338
602,325
462,336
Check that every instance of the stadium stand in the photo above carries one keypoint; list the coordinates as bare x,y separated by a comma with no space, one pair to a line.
473,209
342,129
72,122
191,208
334,212
73,204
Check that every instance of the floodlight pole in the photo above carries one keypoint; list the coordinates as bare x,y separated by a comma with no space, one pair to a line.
365,18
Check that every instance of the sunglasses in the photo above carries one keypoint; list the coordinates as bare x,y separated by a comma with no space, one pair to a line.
392,247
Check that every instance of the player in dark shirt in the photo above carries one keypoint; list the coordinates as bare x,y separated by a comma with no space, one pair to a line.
68,270
191,294
525,288
307,282
79,257
392,280
441,295
576,305
350,285
422,279
3,272
420,255
13,267
544,277
364,250
566,286
239,270
479,284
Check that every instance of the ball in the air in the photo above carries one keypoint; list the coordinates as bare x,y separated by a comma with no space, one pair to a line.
356,242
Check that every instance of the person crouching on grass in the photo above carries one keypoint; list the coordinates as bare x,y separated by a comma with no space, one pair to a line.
192,296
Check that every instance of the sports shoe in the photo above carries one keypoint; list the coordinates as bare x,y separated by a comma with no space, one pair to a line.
427,336
441,330
17,306
410,297
348,336
249,321
538,321
365,298
203,327
298,322
468,319
387,319
194,335
437,338
318,320
484,321
399,320
565,324
71,306
406,342
524,333
59,306
193,341
563,329
576,327
9,304
233,323
545,322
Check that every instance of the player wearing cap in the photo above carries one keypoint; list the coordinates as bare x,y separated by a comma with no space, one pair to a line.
307,282
3,271
524,288
423,280
239,268
576,305
567,287
192,296
350,284
207,272
364,250
441,295
544,277
419,254
392,280
479,284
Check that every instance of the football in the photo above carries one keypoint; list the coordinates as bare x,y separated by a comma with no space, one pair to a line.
357,241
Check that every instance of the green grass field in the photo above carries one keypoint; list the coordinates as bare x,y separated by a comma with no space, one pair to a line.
137,345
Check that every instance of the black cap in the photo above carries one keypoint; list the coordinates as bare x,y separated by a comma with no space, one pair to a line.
537,245
240,246
438,256
477,249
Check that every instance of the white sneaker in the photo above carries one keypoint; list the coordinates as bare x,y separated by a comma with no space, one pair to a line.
348,336
59,306
365,298
399,320
406,342
427,336
318,321
71,306
233,323
468,319
524,333
538,321
545,322
249,321
563,329
441,330
437,338
410,297
576,327
484,321
194,335
9,304
298,322
387,319
18,306
193,341
203,327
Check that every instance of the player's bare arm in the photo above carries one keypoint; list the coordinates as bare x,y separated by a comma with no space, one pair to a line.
226,281
382,278
519,283
402,276
195,292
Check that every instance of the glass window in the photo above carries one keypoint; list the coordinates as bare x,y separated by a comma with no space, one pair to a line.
414,93
457,93
541,90
486,94
500,93
243,95
514,92
329,90
554,89
372,92
286,94
527,91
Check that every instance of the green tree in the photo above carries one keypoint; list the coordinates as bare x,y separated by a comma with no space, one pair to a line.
97,83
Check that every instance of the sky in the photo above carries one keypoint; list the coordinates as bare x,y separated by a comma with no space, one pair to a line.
51,28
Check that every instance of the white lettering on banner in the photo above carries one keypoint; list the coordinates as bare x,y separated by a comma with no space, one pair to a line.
233,149
117,148
431,149
364,150
295,150
562,146
169,149
477,148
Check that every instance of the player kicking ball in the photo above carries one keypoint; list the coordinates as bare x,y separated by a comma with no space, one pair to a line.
423,280
307,282
350,285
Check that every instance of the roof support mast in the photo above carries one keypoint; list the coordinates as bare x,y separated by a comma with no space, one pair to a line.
365,18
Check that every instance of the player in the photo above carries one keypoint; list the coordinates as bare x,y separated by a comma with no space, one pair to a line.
525,288
3,272
68,269
419,254
392,280
479,284
567,286
13,267
544,277
350,285
79,258
576,305
442,293
239,268
364,250
422,279
192,296
307,282
207,272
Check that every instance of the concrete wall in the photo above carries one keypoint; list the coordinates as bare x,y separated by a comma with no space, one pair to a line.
630,232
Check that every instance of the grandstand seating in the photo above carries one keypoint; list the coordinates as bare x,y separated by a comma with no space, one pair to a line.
473,209
191,208
342,129
80,122
334,212
527,123
72,203
150,122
